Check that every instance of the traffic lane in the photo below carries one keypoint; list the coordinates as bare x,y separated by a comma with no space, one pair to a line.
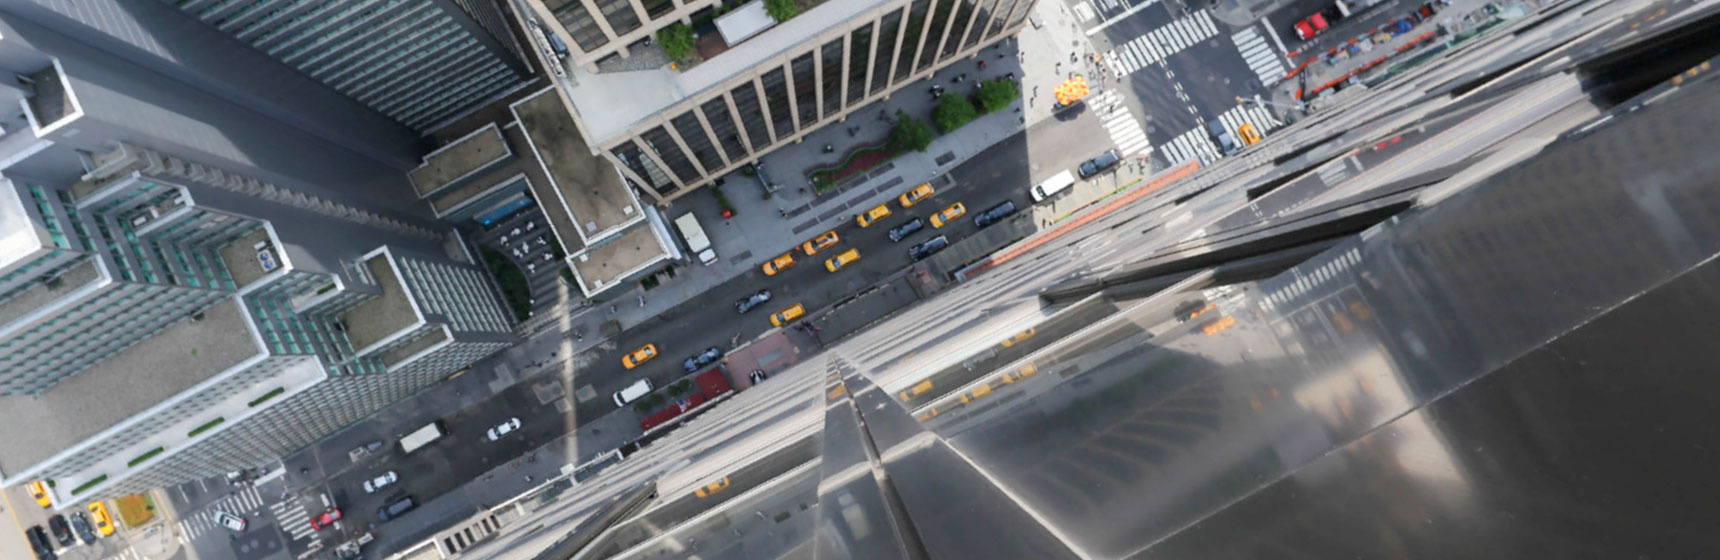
463,454
1213,78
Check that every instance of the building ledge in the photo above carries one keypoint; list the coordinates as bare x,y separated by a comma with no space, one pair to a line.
385,317
466,157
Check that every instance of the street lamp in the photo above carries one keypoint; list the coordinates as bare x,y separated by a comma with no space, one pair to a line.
1299,106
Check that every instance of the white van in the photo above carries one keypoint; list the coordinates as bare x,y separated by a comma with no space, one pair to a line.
1052,186
633,392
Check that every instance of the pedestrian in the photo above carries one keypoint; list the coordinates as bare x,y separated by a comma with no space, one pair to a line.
982,64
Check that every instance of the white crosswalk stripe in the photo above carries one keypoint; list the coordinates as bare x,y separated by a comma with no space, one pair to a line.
245,500
1193,144
1149,49
1259,55
1261,119
1335,173
1125,131
293,518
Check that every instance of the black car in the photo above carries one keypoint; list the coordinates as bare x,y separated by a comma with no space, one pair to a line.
994,214
901,232
748,303
81,526
1100,163
928,248
62,530
1226,142
40,544
395,508
708,357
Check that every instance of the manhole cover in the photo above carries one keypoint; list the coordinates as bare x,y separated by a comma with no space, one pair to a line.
946,158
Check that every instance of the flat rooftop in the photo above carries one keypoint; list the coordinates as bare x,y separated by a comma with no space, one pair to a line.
496,177
430,338
384,315
34,428
608,115
600,268
240,257
18,233
591,187
40,295
459,160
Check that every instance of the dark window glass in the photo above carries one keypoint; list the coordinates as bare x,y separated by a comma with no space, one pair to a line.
697,141
658,141
805,89
913,30
620,15
886,53
724,128
644,167
964,13
581,25
776,98
752,115
860,52
830,69
656,8
935,35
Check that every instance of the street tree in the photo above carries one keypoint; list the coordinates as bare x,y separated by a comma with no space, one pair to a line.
677,40
909,134
781,10
997,94
952,112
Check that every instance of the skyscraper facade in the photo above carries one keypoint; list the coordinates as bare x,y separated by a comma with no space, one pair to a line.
190,284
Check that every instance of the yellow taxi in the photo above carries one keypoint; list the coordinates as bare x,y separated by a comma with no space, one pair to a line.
101,518
777,264
943,217
872,216
640,356
820,243
781,318
1249,135
39,491
910,198
837,262
1020,336
712,488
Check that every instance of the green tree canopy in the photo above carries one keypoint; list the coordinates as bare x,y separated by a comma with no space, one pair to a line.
997,94
781,10
909,134
677,40
953,112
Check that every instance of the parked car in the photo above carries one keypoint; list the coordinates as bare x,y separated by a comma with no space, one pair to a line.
872,216
40,544
81,526
633,392
793,312
777,264
837,262
912,197
326,519
231,522
908,228
954,211
62,530
928,248
640,356
398,507
1100,163
503,429
820,243
702,359
758,298
1226,143
994,214
39,491
1311,26
102,519
383,480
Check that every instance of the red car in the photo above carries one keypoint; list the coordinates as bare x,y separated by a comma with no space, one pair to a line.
1314,25
327,518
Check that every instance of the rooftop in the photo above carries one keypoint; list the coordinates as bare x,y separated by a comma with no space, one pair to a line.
18,234
34,428
601,267
495,177
460,159
385,315
430,338
40,295
589,185
240,257
607,115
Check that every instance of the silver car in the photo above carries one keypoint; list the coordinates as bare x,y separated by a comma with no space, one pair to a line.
381,481
503,429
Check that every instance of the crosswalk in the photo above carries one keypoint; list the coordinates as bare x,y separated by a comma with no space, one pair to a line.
1198,144
245,500
130,553
1125,130
1265,62
1193,144
1261,119
1157,44
293,519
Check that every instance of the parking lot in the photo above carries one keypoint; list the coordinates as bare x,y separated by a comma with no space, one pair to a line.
524,238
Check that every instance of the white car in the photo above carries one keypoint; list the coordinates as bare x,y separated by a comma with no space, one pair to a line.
381,481
503,428
230,521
